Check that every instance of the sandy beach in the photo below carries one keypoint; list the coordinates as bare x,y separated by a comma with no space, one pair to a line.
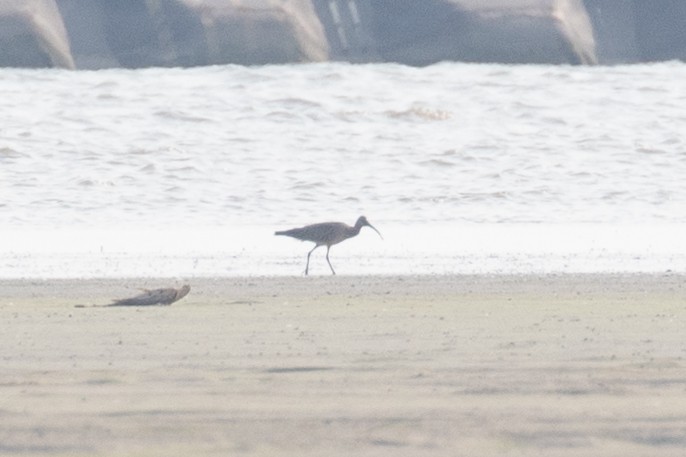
553,365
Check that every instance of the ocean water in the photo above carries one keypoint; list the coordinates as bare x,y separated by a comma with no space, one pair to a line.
463,168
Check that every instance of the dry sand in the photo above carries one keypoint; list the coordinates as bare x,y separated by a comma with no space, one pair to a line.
567,365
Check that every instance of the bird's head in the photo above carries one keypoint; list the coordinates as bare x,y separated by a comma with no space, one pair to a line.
362,222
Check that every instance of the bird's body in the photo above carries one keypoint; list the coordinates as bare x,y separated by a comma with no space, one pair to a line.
154,297
326,234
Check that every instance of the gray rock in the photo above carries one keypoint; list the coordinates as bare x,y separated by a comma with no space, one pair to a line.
661,29
614,24
145,33
504,31
94,31
32,35
260,32
629,31
349,29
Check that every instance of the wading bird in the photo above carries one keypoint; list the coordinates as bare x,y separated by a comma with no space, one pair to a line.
327,234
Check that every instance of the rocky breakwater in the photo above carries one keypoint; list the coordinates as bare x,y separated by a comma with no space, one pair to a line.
93,34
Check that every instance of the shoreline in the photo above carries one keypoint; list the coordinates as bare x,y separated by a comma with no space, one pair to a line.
407,249
215,288
556,365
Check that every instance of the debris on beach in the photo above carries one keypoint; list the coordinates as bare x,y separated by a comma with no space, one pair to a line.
165,296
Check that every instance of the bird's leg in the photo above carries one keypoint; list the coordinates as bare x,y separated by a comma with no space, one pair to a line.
307,267
327,259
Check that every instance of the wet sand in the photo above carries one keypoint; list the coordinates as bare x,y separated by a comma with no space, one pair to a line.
563,365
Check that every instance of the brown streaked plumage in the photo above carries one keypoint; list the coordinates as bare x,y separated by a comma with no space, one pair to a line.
154,297
327,234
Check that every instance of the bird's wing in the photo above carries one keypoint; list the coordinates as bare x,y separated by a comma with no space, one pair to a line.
321,233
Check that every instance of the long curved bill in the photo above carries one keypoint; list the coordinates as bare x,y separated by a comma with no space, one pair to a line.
374,228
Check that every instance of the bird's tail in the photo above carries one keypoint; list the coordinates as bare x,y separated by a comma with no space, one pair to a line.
295,233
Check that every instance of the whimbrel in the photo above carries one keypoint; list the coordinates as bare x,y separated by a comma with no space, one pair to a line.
327,234
154,297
